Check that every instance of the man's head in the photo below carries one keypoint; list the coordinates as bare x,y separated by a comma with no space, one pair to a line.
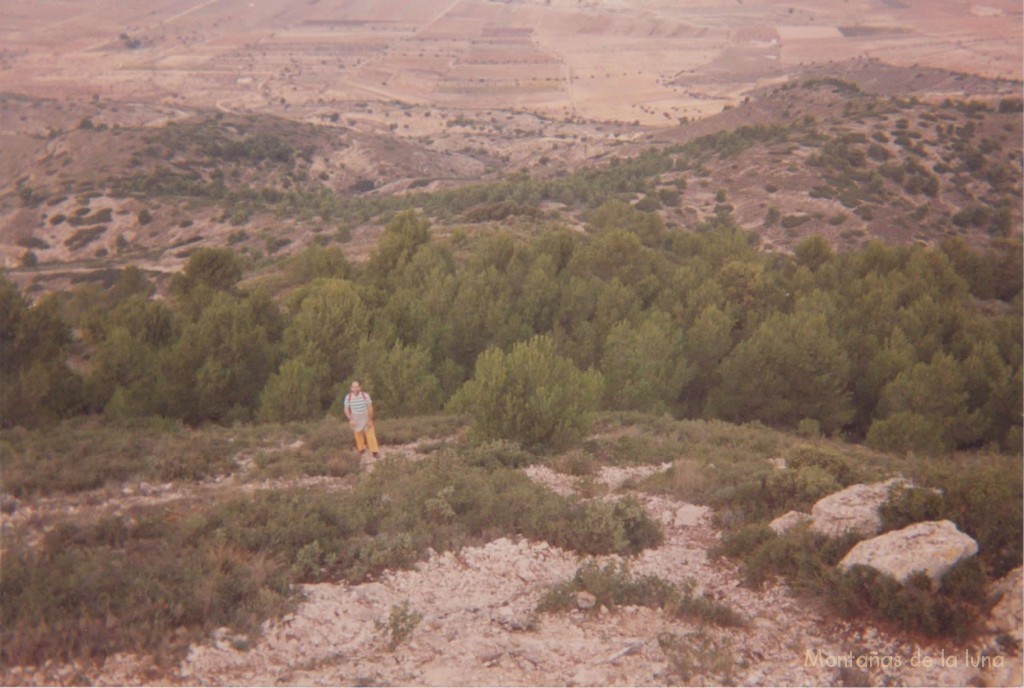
356,389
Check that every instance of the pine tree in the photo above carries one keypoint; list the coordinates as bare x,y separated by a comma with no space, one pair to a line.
925,409
643,365
293,392
790,369
530,395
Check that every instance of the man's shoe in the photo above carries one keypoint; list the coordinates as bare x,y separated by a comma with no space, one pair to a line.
376,455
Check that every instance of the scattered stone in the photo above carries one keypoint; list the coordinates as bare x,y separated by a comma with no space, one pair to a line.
8,504
932,546
492,658
525,572
631,649
584,600
853,509
788,520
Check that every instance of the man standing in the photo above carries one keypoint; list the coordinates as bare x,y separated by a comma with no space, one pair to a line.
359,410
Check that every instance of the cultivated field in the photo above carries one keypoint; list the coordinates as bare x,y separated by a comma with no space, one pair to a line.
651,61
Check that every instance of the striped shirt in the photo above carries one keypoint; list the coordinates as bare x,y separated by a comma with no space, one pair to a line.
359,406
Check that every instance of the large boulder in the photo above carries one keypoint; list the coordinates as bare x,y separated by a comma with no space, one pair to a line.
932,546
854,509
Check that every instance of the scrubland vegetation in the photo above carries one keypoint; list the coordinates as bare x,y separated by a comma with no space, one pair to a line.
632,343
157,577
154,578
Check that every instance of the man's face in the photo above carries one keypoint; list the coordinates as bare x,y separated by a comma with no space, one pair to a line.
356,389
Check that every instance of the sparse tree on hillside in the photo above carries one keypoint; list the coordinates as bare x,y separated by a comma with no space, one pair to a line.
530,395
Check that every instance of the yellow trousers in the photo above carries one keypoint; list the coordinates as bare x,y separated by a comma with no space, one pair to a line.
364,438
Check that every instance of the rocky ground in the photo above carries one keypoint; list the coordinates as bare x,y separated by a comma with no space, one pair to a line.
469,618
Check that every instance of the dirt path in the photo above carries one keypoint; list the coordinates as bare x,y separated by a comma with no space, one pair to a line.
478,626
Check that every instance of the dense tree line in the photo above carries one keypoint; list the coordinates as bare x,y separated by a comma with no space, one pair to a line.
908,347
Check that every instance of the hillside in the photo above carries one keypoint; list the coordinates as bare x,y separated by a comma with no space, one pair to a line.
692,332
457,594
817,156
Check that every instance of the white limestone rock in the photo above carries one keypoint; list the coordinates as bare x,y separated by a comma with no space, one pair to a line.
932,546
854,509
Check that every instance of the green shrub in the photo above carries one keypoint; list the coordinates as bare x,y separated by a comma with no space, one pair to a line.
914,605
802,555
982,494
400,377
496,454
415,428
314,458
669,197
293,392
83,237
809,427
530,395
745,540
129,585
799,488
732,468
696,653
400,510
86,454
808,562
575,462
908,431
402,621
330,435
840,468
793,221
633,449
613,585
605,527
